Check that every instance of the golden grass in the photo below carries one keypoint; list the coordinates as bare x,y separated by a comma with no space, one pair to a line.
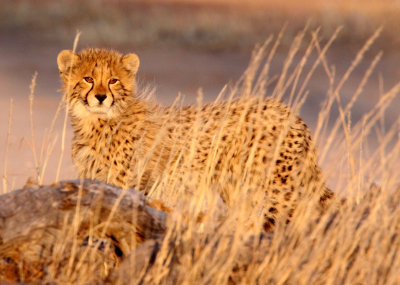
65,121
4,178
355,243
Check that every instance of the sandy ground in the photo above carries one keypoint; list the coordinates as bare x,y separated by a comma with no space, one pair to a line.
171,71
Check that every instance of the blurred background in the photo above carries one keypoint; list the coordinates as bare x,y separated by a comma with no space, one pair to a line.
184,46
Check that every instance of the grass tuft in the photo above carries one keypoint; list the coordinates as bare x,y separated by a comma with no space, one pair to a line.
355,242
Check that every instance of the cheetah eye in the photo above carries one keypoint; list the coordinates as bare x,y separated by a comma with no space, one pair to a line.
113,81
88,79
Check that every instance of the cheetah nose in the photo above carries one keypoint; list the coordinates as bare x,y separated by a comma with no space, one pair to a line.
100,97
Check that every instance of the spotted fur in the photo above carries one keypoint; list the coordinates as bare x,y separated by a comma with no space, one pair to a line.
127,141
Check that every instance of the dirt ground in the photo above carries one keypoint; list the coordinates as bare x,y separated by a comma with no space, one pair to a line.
170,71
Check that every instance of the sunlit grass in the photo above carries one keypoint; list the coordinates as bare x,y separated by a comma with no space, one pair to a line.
356,242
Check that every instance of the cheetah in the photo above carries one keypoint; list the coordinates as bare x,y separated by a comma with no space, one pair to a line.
124,139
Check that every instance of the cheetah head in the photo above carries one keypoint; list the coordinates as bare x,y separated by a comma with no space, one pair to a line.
97,82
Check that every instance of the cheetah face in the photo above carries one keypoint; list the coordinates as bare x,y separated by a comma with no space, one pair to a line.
97,82
99,96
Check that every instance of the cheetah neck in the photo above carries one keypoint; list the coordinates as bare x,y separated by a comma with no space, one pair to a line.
136,112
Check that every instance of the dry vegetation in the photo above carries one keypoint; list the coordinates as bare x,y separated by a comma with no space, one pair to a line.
354,243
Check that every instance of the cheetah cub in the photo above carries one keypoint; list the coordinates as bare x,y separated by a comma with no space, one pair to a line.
250,142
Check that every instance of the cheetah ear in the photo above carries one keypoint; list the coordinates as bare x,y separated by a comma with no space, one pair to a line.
66,60
131,62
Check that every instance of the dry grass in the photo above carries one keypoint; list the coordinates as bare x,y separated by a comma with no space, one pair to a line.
356,243
204,24
4,178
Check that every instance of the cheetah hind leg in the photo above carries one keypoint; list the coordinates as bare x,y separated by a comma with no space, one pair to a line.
270,219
